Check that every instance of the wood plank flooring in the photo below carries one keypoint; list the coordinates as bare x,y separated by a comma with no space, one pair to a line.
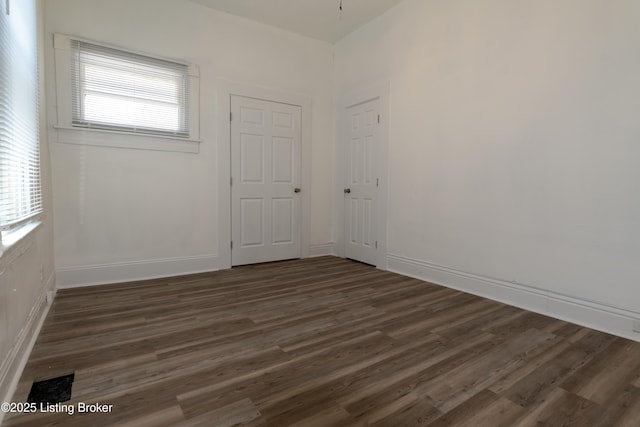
324,342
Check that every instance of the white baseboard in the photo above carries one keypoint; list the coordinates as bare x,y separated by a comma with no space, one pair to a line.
322,249
12,367
72,277
591,314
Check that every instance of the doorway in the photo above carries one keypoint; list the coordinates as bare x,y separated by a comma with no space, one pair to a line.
362,181
265,180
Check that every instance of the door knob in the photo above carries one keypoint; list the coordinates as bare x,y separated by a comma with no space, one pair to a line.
297,190
347,190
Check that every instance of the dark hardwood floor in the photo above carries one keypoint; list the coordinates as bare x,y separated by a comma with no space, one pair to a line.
324,342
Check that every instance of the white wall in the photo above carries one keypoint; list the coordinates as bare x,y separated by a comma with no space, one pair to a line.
23,285
123,214
513,143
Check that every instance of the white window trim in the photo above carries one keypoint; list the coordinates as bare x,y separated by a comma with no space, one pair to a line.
12,239
68,134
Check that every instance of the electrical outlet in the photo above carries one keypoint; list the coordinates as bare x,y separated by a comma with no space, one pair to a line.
636,325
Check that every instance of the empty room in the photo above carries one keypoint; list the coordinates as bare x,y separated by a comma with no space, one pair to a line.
319,213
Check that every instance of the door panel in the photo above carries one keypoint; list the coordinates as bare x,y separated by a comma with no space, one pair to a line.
265,171
283,164
362,182
283,120
251,222
283,212
251,116
251,158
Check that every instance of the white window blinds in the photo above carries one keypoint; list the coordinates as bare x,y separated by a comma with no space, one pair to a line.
123,91
20,189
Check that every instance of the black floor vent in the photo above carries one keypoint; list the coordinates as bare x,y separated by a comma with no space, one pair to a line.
54,390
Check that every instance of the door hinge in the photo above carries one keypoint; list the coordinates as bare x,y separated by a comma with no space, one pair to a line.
376,244
378,118
8,7
230,116
232,244
230,180
377,182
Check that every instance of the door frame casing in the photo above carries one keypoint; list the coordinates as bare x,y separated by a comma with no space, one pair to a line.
352,98
225,90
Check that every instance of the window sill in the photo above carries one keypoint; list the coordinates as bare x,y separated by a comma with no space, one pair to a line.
116,139
11,240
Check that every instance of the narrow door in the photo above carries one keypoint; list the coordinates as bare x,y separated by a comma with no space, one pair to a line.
265,181
361,182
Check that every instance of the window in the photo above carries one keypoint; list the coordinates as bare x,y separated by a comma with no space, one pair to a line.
20,188
117,92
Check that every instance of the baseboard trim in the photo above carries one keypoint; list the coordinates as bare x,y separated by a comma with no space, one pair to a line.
15,362
101,274
602,317
321,249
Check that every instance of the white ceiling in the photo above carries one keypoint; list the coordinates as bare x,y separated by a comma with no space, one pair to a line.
320,19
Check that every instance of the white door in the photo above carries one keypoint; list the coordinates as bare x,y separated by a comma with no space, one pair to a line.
265,181
361,182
